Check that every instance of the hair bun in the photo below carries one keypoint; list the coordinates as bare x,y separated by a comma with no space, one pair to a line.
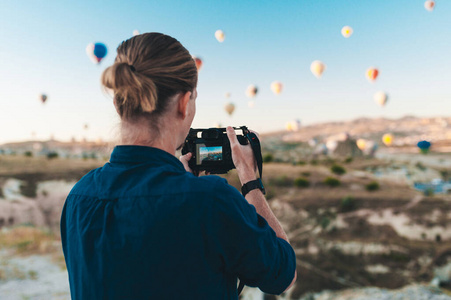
131,91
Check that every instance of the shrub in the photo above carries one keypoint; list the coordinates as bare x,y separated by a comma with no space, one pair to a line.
52,155
268,157
306,174
347,203
332,182
314,162
301,163
301,182
348,160
28,153
429,192
337,169
324,222
372,186
281,181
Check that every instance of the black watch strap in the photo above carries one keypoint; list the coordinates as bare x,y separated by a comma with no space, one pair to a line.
252,185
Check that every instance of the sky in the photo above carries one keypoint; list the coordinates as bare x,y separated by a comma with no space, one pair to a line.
43,44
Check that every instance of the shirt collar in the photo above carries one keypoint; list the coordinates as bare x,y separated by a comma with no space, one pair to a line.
143,154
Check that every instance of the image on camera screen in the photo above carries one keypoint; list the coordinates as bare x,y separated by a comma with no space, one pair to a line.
208,153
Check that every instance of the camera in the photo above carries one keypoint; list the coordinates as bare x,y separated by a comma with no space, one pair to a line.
211,149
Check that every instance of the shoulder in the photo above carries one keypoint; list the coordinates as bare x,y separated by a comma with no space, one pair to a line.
82,185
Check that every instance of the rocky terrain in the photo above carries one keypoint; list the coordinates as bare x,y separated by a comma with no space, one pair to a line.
359,229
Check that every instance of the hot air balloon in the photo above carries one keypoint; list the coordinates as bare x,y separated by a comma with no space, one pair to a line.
43,98
251,104
219,35
424,146
331,146
429,5
346,31
293,125
371,74
229,108
276,87
317,67
198,62
387,139
251,91
227,95
361,144
135,32
96,52
381,98
85,126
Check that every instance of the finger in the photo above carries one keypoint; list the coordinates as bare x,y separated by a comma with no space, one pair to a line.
232,136
184,159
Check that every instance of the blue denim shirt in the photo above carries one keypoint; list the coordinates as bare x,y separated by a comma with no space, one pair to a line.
141,227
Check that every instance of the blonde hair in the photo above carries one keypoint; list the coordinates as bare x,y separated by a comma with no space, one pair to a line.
148,70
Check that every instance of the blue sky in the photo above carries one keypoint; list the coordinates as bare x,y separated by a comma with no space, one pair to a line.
43,50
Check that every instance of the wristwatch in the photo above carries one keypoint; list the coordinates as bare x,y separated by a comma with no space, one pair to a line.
252,185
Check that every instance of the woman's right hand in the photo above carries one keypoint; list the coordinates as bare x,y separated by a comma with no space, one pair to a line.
243,158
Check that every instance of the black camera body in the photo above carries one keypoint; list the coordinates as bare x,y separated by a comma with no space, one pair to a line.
211,149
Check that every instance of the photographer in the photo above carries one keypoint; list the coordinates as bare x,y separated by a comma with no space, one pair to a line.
143,226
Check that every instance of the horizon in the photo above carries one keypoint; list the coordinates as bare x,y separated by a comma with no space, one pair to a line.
410,50
264,133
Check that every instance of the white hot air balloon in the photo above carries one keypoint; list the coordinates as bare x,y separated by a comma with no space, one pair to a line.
229,108
317,67
227,95
381,98
251,104
135,32
346,31
219,35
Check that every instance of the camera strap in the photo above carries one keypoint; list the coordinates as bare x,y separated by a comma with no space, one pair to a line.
256,148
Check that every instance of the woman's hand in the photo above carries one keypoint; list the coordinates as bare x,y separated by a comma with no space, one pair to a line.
243,157
184,159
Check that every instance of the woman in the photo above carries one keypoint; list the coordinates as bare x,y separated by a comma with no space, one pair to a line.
143,226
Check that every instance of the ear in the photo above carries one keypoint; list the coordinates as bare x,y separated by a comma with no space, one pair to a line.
183,104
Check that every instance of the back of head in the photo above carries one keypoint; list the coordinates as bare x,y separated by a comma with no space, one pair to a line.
148,71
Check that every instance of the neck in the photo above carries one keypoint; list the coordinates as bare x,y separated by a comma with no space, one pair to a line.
141,133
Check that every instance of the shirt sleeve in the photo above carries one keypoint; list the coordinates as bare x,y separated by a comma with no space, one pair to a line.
245,243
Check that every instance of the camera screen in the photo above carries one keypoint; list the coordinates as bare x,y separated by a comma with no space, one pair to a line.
204,153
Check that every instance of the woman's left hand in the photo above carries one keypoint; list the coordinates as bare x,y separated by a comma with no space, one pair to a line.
185,159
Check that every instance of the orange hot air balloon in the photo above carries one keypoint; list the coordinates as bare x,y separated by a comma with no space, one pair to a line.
429,5
371,74
198,62
346,31
276,87
317,67
229,108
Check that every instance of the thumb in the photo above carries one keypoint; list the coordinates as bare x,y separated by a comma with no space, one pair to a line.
232,136
184,159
